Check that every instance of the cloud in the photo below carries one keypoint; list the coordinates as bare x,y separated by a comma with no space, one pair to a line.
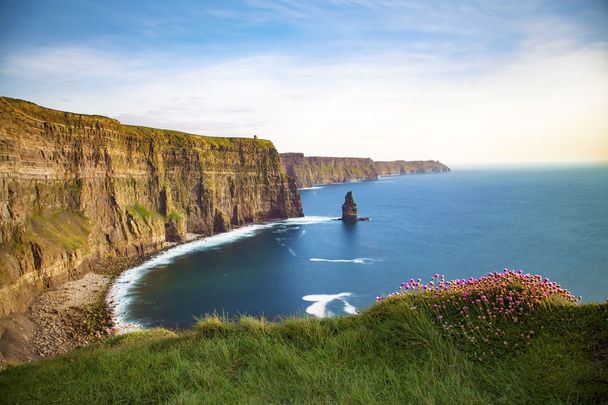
542,96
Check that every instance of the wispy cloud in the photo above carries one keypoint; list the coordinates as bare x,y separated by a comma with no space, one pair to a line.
389,79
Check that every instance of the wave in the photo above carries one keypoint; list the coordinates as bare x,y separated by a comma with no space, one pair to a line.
307,220
358,260
310,188
349,309
319,308
121,292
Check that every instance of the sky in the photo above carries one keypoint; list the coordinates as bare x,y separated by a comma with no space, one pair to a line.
456,81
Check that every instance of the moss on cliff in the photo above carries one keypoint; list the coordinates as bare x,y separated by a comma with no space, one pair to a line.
398,167
142,212
311,170
65,230
184,139
174,216
136,188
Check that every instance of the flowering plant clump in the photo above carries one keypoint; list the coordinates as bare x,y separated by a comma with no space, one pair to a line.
485,310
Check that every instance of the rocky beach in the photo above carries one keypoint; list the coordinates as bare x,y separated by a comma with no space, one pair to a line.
57,321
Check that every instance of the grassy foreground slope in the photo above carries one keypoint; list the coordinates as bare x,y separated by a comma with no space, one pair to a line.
395,352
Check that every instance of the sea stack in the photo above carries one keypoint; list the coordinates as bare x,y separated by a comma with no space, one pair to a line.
349,208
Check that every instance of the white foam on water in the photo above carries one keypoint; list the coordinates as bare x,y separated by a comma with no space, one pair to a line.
319,308
358,260
120,293
291,252
348,308
308,220
310,188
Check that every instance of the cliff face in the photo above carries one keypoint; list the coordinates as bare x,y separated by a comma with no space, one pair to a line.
311,170
396,167
75,189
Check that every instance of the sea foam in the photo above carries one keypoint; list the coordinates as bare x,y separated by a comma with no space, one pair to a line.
358,260
121,291
310,188
319,308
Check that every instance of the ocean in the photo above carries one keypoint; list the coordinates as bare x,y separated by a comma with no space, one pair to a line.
551,221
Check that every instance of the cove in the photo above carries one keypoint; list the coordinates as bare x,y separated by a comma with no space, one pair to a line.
549,220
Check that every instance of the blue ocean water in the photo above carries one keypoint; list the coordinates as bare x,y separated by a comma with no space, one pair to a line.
551,221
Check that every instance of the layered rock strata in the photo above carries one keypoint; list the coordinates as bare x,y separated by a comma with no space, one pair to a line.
311,170
315,170
77,189
349,208
399,167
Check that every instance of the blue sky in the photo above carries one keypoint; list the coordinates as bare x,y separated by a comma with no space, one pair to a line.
482,81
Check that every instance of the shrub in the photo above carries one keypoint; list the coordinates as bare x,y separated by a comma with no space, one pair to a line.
492,314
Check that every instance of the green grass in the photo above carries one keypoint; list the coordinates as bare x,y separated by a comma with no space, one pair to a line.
142,212
193,139
37,112
69,230
391,353
174,216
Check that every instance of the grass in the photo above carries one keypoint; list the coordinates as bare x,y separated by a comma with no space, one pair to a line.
394,352
66,229
182,137
39,113
174,216
141,211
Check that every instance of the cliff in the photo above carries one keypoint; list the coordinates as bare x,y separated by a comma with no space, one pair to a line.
80,189
397,167
311,170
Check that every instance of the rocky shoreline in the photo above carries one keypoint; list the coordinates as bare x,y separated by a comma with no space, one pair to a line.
57,321
69,316
64,318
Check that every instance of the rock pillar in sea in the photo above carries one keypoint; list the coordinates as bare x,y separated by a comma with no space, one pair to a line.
349,208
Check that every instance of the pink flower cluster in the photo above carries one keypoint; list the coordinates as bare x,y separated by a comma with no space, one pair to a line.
511,288
473,308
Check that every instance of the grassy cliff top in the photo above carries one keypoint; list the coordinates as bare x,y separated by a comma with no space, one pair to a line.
404,349
47,115
327,158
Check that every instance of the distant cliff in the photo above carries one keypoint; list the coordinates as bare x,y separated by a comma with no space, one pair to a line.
396,167
311,170
80,188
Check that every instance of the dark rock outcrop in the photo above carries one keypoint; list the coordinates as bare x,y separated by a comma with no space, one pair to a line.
78,189
349,208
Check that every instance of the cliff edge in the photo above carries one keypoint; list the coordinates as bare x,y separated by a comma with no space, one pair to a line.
311,170
77,189
399,167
